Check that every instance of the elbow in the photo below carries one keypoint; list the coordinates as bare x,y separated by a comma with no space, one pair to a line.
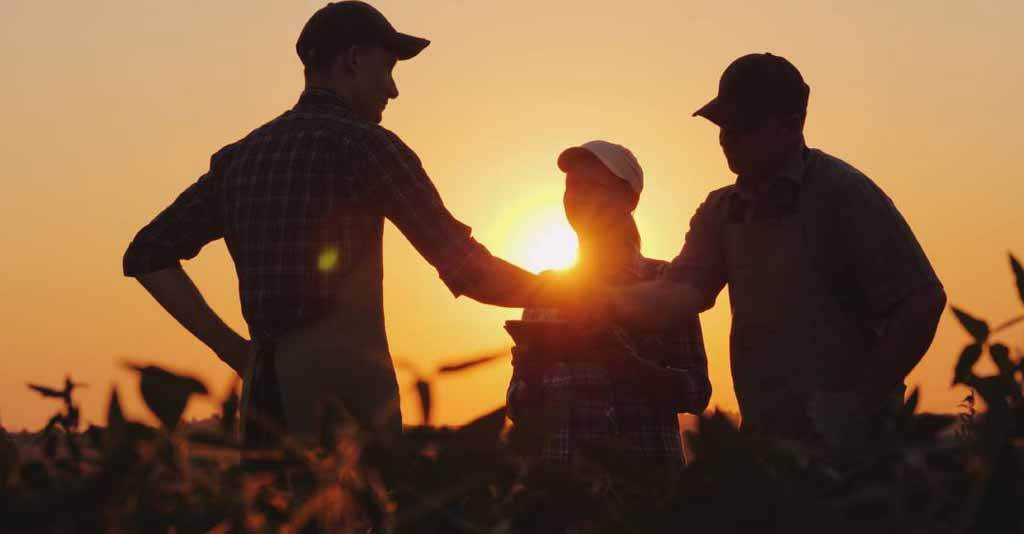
703,399
139,260
697,396
132,261
936,305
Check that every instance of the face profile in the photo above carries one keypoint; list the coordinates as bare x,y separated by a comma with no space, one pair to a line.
594,196
374,82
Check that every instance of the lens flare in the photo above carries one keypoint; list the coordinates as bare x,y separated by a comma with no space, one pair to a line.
328,260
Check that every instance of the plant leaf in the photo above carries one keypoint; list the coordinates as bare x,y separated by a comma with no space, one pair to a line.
1018,274
487,358
994,390
911,405
46,392
229,411
482,433
9,457
1001,356
166,394
965,364
976,327
423,390
115,417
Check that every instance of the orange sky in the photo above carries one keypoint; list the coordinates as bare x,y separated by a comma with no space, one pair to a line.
113,107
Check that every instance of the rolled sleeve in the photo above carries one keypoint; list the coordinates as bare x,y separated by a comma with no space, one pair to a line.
700,264
880,251
179,231
410,200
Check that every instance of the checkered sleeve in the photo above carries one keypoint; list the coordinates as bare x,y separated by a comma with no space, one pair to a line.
410,200
181,230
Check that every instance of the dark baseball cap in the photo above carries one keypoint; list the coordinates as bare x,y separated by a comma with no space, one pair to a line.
340,24
754,87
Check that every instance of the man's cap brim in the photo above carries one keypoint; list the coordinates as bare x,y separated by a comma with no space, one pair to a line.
716,111
407,46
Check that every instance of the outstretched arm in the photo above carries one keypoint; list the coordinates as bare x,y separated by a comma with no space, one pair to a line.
407,196
657,304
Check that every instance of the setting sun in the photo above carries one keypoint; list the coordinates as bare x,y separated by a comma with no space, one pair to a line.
544,241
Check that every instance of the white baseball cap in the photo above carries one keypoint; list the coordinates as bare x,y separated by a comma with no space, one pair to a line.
616,158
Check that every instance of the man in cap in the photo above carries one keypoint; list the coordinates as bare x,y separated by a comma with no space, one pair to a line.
300,203
833,300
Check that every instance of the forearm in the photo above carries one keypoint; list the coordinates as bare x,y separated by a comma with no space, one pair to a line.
176,292
908,333
502,284
658,304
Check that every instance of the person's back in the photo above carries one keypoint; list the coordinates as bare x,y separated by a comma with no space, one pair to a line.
301,202
299,217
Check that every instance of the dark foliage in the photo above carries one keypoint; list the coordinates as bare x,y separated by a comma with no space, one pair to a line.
925,473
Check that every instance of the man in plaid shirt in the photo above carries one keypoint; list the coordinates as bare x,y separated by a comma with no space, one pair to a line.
301,203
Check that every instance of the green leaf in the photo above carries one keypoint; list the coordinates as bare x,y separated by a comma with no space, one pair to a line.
1001,356
1018,273
976,327
965,364
166,394
423,390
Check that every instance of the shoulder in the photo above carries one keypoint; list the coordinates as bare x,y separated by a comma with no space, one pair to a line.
838,178
715,203
718,196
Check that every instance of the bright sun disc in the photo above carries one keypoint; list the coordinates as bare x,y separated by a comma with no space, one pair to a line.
547,242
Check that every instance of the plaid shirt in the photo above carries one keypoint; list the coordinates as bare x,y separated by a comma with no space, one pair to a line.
589,407
300,202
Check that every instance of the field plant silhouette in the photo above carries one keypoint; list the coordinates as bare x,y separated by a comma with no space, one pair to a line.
926,473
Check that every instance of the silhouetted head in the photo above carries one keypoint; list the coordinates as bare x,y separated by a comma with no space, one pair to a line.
760,109
351,48
603,182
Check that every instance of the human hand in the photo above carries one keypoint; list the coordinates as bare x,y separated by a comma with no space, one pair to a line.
237,352
593,309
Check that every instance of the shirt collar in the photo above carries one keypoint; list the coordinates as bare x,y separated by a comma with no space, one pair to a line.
324,99
793,171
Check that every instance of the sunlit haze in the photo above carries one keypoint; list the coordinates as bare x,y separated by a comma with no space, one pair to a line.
111,108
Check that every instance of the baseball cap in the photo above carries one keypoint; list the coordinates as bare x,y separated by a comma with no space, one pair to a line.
615,157
754,87
351,22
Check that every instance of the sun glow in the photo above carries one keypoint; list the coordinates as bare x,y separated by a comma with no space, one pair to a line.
544,241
